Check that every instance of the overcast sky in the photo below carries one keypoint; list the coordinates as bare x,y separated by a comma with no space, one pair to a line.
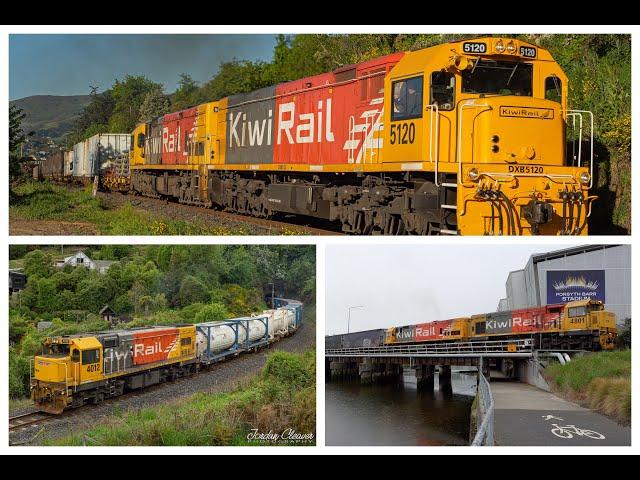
408,284
68,64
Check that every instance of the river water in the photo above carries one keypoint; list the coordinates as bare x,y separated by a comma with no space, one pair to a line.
394,415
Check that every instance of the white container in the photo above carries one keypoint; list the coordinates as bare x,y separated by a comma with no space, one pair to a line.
93,155
222,336
68,163
279,321
78,159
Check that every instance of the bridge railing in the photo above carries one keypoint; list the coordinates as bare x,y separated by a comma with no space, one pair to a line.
506,348
484,434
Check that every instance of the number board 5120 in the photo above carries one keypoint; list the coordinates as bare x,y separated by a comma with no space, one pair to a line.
474,47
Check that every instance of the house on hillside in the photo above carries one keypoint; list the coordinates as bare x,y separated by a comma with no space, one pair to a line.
108,314
80,259
17,280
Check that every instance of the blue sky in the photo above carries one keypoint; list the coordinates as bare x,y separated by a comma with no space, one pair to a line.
68,64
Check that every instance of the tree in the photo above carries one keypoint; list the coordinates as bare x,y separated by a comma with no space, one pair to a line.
93,119
212,312
16,138
155,104
187,93
192,290
38,263
129,94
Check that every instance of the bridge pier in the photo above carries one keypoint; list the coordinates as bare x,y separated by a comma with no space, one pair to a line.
342,370
444,378
365,370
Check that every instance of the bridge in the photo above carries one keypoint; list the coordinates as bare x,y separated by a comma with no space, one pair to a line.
503,415
417,363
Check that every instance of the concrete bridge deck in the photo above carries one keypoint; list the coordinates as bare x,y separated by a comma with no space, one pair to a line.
527,415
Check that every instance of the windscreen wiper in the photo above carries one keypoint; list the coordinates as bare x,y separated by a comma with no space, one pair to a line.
512,72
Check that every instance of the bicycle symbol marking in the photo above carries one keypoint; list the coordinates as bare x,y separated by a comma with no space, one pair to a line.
568,431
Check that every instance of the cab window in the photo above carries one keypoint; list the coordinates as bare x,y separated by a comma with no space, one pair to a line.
75,355
443,86
407,99
577,311
90,356
141,140
493,77
553,89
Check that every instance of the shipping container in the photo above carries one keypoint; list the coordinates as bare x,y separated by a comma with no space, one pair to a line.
95,154
367,338
53,165
68,163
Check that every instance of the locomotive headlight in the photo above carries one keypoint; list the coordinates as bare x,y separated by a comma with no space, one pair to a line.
511,47
473,174
585,178
500,46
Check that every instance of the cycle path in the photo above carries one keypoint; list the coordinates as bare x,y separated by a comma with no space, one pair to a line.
526,415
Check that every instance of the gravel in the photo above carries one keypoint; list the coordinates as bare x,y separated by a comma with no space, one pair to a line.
221,378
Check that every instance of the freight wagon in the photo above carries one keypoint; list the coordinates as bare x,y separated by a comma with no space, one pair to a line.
367,338
468,137
89,368
94,155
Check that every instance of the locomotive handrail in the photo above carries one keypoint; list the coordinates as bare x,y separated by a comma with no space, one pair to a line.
573,116
468,103
579,113
434,108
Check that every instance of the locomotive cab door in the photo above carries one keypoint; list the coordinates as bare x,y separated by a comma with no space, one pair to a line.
86,360
405,135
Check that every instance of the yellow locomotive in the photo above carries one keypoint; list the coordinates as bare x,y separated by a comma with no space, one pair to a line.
470,137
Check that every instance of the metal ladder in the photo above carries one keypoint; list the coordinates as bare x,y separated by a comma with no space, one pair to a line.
444,186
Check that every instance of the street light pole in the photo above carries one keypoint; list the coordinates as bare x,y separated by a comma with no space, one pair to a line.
349,317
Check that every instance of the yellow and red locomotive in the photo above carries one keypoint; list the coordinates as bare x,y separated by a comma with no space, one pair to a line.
467,137
577,325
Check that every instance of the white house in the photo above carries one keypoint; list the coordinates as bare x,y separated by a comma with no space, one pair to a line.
81,259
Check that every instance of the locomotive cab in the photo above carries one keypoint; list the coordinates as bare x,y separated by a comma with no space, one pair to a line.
65,363
591,315
493,128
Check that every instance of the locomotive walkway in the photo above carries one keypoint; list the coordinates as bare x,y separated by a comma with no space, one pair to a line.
526,415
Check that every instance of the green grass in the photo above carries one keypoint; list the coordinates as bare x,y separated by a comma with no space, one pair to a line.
19,403
280,397
45,201
600,381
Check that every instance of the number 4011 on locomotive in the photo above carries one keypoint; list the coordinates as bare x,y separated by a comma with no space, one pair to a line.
470,137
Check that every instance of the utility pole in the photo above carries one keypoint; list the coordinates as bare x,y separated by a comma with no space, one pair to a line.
349,316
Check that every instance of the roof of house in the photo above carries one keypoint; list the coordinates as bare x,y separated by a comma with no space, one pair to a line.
103,263
106,309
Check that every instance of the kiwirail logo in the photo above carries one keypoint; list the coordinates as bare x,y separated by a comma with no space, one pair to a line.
527,112
288,435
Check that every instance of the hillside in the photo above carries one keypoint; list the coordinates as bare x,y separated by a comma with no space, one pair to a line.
51,115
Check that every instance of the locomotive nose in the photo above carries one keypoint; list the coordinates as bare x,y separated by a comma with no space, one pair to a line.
515,129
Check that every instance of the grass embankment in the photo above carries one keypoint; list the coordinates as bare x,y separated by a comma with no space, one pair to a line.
600,381
45,201
281,398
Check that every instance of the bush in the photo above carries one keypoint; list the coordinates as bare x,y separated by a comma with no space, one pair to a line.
213,312
18,375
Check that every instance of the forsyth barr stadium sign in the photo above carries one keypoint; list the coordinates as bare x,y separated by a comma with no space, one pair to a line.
569,285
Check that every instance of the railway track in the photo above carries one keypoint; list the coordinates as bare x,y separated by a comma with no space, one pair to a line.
19,422
282,224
